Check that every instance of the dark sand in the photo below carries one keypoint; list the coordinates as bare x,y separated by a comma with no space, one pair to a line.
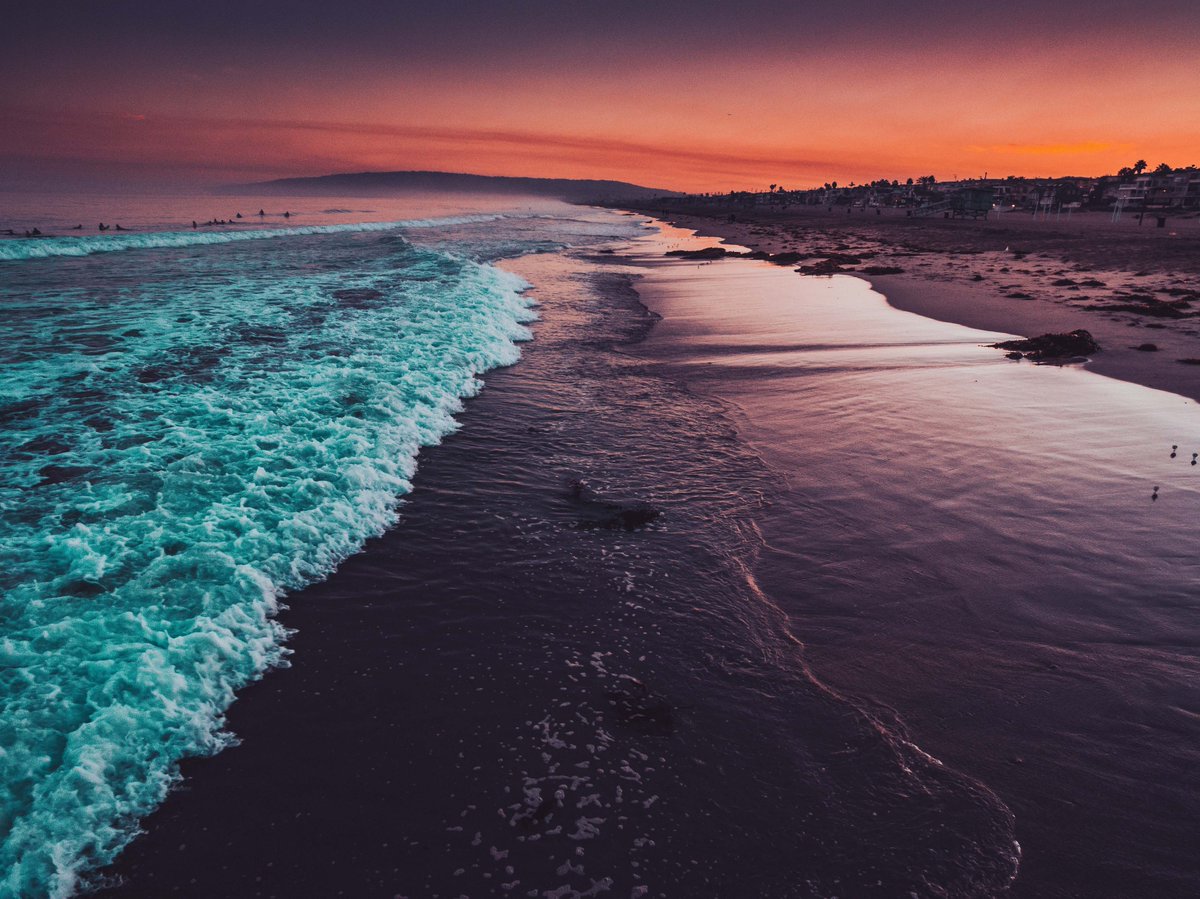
485,647
1009,274
555,678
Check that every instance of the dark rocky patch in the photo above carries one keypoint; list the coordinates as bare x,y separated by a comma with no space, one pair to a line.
882,270
1188,361
824,267
1144,304
788,258
595,514
1147,347
706,253
1054,348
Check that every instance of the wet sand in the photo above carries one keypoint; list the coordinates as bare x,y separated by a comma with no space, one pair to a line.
1013,274
904,601
972,546
556,677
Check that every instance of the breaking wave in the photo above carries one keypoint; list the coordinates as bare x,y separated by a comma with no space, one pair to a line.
175,456
48,247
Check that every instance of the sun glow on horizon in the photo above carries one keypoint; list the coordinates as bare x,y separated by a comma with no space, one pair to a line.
706,102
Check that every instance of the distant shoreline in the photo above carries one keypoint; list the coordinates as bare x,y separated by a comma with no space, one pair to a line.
1128,285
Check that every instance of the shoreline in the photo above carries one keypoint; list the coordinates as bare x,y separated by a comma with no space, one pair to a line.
424,697
936,546
1023,278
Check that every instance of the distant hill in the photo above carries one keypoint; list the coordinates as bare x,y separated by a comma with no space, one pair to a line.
381,183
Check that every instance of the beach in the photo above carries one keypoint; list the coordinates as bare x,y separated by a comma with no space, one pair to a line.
738,584
699,578
1014,273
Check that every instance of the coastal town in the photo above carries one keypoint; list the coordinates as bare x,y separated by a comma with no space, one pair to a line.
1138,190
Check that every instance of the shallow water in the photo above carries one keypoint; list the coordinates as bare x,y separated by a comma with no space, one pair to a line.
977,545
556,676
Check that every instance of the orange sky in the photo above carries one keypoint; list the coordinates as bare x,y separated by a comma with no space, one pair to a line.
669,102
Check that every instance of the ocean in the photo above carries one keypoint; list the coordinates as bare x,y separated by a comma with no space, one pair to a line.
726,585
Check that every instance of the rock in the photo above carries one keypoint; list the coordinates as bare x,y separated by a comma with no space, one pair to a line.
788,258
1188,361
882,270
1147,347
706,253
824,267
1056,348
597,514
1143,304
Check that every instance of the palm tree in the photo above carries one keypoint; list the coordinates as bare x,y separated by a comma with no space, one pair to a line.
1139,166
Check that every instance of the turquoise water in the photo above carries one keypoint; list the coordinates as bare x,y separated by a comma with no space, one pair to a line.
50,246
189,429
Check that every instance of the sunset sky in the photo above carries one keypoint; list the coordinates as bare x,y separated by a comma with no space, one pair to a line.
691,96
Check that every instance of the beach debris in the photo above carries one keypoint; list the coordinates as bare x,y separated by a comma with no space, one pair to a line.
1194,455
1055,349
1144,304
706,253
597,514
830,264
1174,447
358,297
1154,495
824,267
791,257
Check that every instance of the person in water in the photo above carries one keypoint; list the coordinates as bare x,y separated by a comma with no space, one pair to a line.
103,227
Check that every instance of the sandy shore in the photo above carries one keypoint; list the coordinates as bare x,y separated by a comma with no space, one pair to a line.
1129,285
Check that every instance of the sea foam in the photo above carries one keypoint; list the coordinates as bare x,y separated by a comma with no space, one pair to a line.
46,247
177,453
